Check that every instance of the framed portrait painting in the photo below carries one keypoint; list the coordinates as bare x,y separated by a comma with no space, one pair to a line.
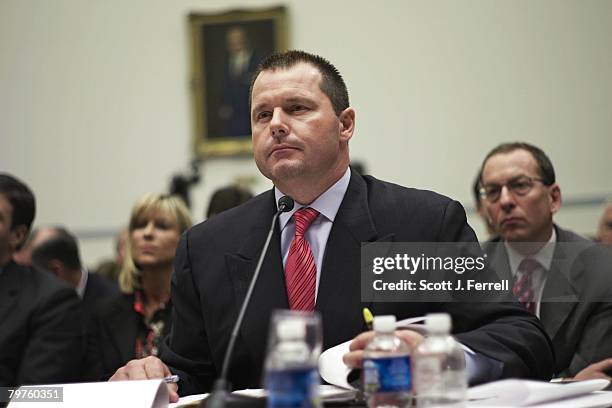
226,50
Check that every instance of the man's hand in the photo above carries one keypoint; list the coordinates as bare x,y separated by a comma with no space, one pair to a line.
354,358
145,369
600,369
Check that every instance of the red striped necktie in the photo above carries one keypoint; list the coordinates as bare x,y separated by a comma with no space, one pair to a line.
300,268
523,287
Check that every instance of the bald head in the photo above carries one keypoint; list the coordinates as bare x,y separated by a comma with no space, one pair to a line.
37,237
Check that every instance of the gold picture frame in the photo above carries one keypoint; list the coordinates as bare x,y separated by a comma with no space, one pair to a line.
226,49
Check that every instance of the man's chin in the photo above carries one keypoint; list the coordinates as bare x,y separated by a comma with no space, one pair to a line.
287,170
514,234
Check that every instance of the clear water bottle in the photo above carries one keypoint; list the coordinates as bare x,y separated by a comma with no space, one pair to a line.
292,378
386,367
440,377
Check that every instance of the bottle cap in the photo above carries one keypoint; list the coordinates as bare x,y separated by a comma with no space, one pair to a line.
438,323
291,329
384,324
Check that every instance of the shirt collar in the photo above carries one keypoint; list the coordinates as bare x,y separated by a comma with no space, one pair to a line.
80,288
326,204
544,256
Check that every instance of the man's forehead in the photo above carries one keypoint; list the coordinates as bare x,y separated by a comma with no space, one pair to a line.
517,162
301,74
4,203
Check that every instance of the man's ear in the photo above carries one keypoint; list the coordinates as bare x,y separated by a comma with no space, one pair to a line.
555,198
347,124
17,236
57,268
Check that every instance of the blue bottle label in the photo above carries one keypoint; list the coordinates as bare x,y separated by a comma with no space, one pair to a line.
293,388
387,374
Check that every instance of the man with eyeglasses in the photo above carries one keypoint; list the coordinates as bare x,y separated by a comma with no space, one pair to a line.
559,276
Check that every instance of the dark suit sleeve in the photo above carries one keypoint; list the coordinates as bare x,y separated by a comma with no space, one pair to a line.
586,333
186,349
504,331
594,344
56,343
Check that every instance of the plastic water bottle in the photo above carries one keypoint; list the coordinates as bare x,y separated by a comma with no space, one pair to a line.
440,377
292,378
386,367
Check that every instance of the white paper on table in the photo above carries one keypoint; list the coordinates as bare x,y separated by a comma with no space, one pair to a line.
326,392
597,399
188,400
133,394
517,393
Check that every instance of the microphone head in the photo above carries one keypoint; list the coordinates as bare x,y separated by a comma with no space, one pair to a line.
285,204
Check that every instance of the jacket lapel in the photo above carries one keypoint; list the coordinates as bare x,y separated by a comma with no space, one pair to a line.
498,260
339,293
269,292
559,296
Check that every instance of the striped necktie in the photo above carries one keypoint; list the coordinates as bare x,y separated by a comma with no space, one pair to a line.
523,287
300,268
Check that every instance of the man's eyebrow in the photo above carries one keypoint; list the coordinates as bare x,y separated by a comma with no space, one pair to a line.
294,99
511,179
522,175
289,100
259,106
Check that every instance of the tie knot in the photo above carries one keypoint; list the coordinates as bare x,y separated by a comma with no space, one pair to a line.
303,218
528,266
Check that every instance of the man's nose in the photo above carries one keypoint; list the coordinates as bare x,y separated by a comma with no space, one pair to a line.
506,199
278,125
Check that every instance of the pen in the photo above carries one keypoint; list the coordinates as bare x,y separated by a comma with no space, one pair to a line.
368,317
171,379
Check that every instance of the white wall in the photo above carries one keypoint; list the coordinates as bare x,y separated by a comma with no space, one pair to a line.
95,109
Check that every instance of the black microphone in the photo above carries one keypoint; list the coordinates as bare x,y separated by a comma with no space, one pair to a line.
221,394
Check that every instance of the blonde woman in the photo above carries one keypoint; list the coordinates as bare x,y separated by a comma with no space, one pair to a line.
133,324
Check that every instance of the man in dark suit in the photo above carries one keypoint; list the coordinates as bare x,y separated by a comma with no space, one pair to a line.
302,124
559,276
42,339
59,254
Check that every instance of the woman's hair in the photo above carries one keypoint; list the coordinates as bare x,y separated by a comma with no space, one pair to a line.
150,205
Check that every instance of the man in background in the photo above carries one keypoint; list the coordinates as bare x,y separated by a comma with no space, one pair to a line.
59,254
42,336
23,256
225,198
604,229
557,275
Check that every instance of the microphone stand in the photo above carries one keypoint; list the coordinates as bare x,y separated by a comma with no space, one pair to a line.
221,394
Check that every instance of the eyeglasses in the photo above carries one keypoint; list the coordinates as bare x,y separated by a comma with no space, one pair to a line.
520,186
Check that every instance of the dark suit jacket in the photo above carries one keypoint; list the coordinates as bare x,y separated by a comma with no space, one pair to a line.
41,328
216,259
116,327
580,274
97,289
